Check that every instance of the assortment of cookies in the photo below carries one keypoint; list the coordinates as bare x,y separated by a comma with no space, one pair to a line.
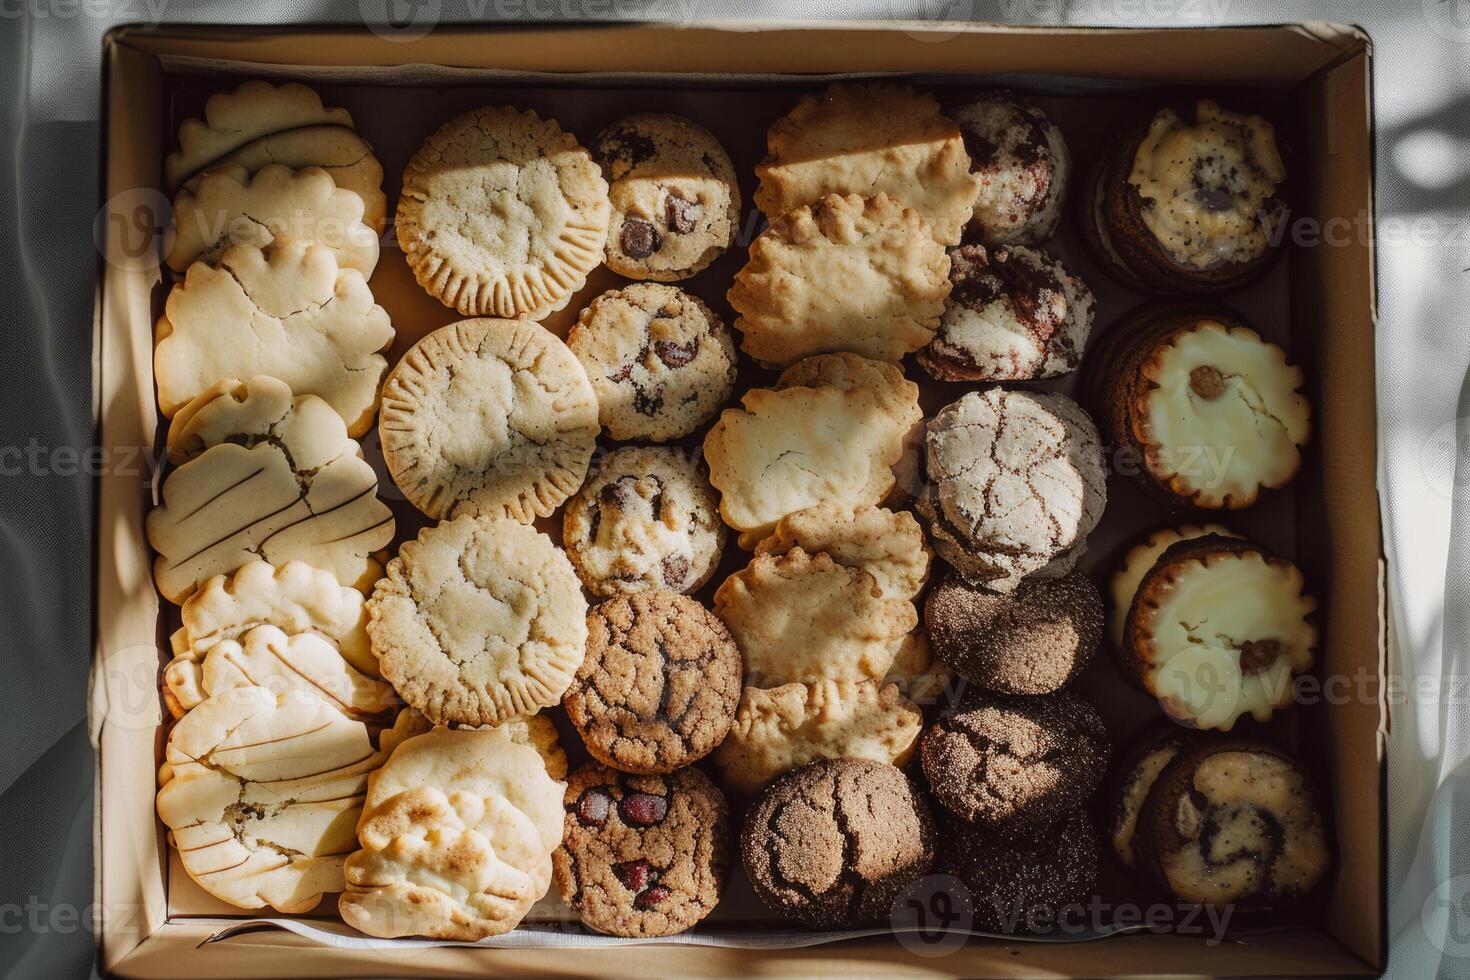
567,680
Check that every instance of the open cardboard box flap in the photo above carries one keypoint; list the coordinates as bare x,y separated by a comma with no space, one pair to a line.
1323,69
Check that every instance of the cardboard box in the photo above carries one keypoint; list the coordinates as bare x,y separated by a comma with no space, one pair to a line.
155,922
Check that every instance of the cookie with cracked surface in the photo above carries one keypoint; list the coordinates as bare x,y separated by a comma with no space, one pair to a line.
1014,314
646,518
477,620
888,545
659,685
862,274
642,855
1034,640
661,361
1006,761
261,473
488,417
834,843
870,138
1023,165
777,729
1017,480
502,214
285,310
800,618
675,199
1017,876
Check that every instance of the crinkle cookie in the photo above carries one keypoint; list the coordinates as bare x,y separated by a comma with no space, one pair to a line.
1014,314
675,200
659,685
231,206
285,310
642,855
1017,482
660,360
870,138
778,729
490,417
261,792
836,842
862,274
1023,165
263,474
804,618
646,518
477,620
502,214
457,832
831,430
888,545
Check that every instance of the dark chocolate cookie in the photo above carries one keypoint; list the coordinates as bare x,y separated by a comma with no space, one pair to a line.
1022,880
642,855
1034,640
835,842
1015,762
659,685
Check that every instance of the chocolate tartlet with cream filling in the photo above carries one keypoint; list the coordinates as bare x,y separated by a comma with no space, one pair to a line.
1189,204
1207,413
1023,166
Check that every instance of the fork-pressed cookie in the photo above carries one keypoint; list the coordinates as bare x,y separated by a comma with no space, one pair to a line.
492,417
861,274
502,214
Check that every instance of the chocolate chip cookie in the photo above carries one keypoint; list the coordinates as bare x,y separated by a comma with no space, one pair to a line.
675,200
642,855
834,843
660,360
659,685
647,518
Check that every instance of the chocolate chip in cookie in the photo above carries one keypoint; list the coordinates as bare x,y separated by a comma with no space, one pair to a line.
642,855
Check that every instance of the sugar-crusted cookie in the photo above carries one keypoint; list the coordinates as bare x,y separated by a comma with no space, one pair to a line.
261,793
870,138
835,843
231,206
1017,480
804,618
659,685
457,832
1023,165
502,214
478,619
862,274
642,855
646,518
778,729
1014,314
660,360
285,310
888,545
675,200
491,417
792,447
264,474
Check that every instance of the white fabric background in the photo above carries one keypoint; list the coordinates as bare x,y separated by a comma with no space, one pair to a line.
49,86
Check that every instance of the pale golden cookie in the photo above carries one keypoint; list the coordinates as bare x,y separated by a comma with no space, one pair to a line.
502,214
805,618
491,417
919,675
870,138
231,206
477,620
846,273
286,311
781,728
457,833
267,475
888,545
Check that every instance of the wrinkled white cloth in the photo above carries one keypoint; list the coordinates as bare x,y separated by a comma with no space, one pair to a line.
49,88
